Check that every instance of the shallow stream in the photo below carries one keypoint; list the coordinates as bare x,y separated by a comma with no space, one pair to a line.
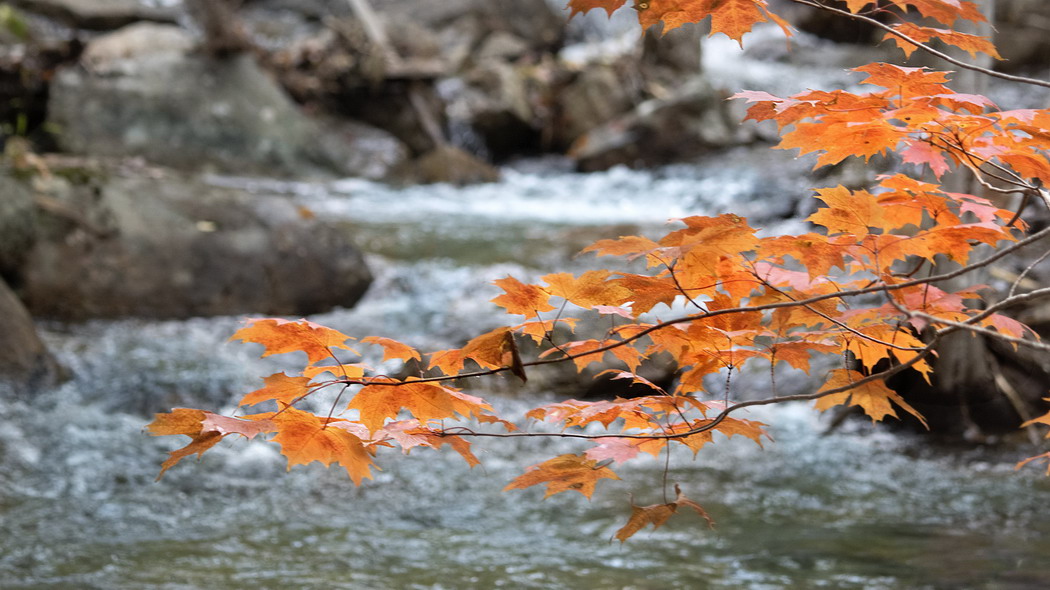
854,509
857,508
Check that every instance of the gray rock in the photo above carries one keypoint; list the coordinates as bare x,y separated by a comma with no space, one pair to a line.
374,153
97,14
106,53
600,93
25,363
659,131
452,165
189,112
17,225
159,244
532,20
495,102
502,45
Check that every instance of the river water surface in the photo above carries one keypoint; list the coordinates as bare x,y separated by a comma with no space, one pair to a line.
855,509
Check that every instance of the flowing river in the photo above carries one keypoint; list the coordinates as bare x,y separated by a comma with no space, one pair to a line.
859,508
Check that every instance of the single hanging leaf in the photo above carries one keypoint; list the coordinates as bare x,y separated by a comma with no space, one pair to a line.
562,474
280,336
657,515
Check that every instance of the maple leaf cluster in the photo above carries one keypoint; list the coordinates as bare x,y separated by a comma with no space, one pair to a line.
850,288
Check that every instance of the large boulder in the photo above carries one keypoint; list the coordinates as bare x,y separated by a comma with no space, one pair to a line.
141,93
160,244
25,363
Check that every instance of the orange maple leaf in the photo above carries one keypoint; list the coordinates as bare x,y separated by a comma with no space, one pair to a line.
564,473
278,387
582,6
657,515
971,44
183,421
392,349
305,437
944,11
592,288
522,299
279,336
873,397
377,402
847,212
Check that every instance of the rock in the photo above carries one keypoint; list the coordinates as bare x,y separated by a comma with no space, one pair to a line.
374,154
159,244
106,53
501,45
25,363
454,166
189,112
659,131
534,21
17,225
600,93
494,101
669,57
97,14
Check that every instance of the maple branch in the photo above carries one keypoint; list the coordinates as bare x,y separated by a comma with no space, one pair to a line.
924,47
974,165
979,330
1045,232
714,422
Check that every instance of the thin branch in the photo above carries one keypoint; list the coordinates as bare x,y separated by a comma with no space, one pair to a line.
1024,273
926,48
464,431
